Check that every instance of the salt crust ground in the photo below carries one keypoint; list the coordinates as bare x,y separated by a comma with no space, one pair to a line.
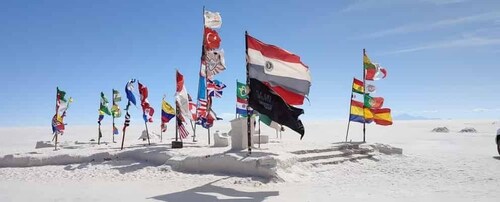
434,167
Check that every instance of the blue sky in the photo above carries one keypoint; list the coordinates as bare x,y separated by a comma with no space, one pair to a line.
440,54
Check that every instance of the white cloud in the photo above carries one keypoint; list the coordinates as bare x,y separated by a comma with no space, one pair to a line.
464,42
358,5
485,17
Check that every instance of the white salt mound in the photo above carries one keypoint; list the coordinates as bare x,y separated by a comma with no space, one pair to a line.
440,130
468,130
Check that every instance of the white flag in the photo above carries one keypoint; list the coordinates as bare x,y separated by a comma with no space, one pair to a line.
212,20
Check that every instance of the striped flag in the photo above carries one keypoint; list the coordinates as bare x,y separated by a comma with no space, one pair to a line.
182,129
127,121
278,69
192,107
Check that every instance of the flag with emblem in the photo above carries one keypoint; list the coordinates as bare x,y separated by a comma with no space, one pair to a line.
278,69
211,40
212,63
147,110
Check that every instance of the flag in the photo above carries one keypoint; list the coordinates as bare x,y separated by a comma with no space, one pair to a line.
358,86
103,108
167,112
214,88
373,71
127,121
212,63
128,90
61,102
370,88
373,102
147,110
181,96
115,109
182,129
265,101
357,114
115,130
382,116
211,39
192,107
57,124
279,69
213,20
241,99
266,120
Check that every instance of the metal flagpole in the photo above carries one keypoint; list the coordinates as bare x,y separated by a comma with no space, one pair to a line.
112,114
350,111
364,86
57,108
249,133
161,121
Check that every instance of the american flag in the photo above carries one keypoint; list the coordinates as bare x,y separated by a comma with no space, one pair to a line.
182,129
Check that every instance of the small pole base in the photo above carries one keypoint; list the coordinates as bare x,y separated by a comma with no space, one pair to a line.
176,144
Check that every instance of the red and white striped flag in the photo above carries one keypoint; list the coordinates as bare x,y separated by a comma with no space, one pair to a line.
182,130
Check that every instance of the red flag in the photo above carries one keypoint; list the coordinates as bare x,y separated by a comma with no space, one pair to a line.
147,110
211,40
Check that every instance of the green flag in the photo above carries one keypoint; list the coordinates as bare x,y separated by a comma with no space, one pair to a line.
61,94
241,90
104,105
115,109
266,120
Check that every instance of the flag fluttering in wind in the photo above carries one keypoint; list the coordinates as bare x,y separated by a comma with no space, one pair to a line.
382,116
359,113
212,63
373,71
115,109
167,113
241,99
181,97
62,105
103,107
213,20
147,110
279,69
211,39
129,88
192,108
214,88
130,95
182,129
358,86
264,100
373,102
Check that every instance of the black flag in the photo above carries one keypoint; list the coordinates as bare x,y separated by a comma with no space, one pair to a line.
267,102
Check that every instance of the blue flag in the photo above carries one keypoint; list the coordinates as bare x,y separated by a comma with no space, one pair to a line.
128,89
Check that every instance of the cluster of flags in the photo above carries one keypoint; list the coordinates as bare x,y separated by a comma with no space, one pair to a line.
277,80
212,63
62,105
369,108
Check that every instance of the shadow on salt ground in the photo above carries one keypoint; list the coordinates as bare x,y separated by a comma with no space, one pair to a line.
209,192
497,157
123,166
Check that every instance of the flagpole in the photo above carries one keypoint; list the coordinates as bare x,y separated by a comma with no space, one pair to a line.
176,121
350,111
249,133
99,134
124,127
259,131
161,119
364,86
112,114
147,132
57,108
236,114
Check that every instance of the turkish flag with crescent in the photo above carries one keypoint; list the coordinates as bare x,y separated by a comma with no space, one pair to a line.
211,40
